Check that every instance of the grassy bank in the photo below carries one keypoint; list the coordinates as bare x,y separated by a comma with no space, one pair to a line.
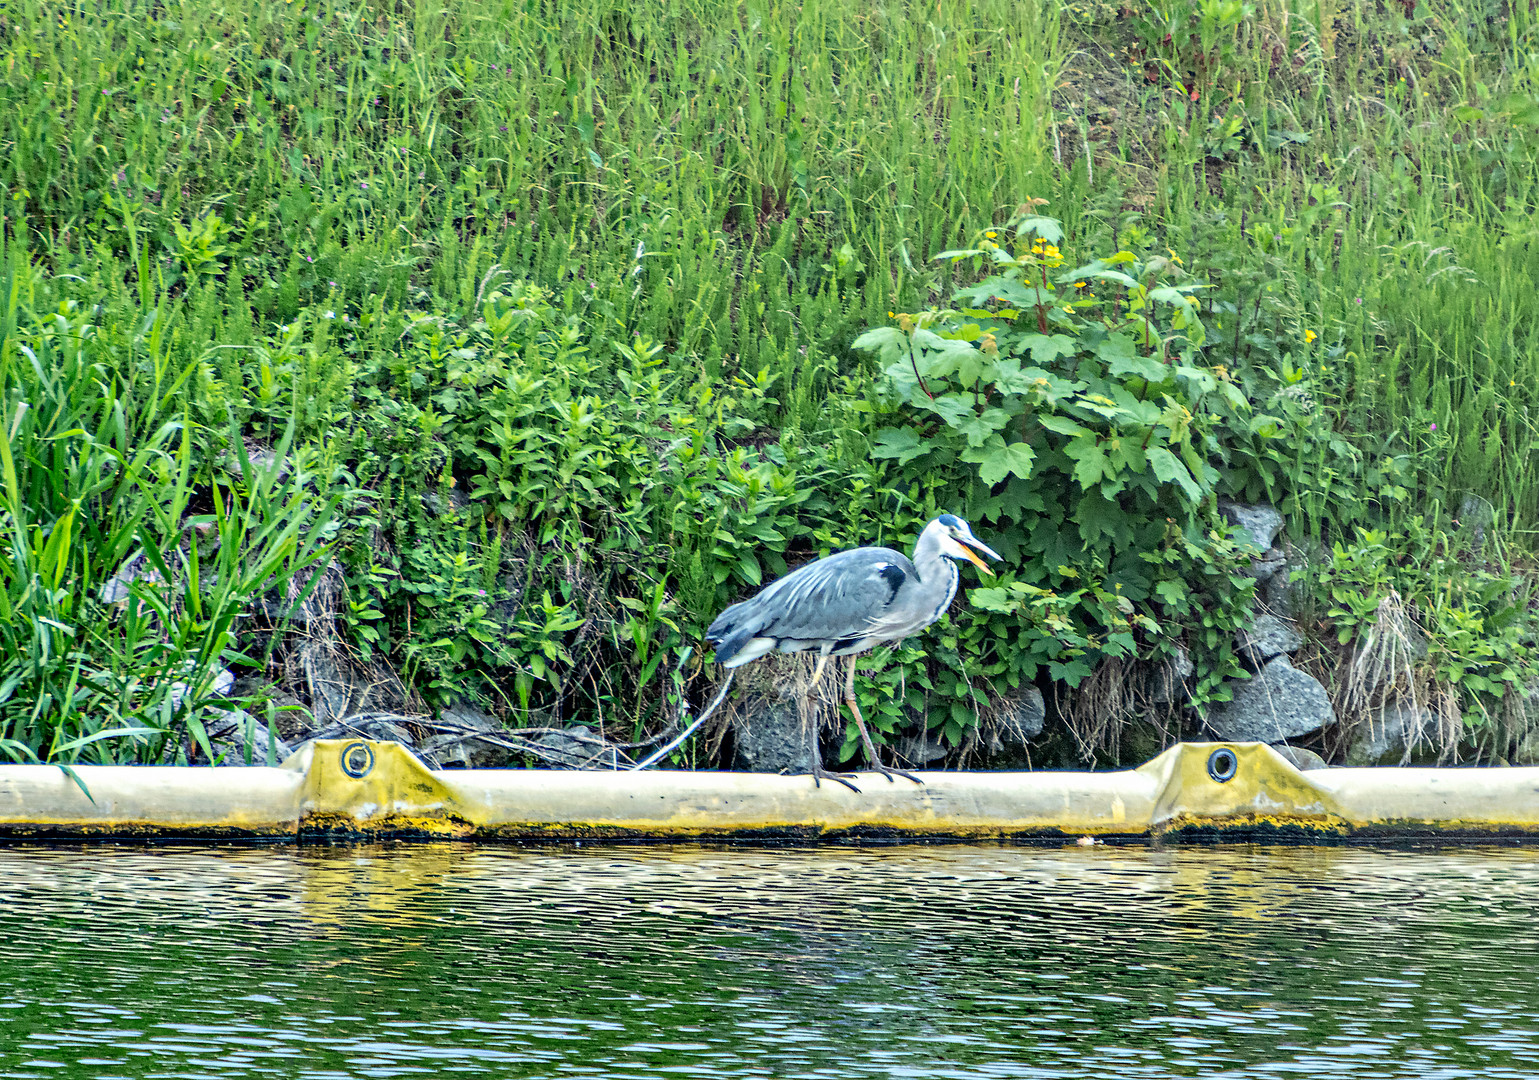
555,304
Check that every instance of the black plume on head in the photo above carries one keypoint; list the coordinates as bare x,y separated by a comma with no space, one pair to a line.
951,521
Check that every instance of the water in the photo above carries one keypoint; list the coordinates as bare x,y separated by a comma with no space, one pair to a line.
705,961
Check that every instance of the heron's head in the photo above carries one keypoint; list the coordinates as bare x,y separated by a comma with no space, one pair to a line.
958,541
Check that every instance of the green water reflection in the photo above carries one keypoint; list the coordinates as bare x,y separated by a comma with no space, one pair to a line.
912,961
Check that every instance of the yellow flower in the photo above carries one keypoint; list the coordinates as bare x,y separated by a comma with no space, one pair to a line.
991,235
1081,284
1309,336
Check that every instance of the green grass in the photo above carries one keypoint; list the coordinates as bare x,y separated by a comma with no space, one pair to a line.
737,146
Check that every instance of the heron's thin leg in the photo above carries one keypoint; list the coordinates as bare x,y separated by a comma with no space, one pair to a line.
865,736
818,772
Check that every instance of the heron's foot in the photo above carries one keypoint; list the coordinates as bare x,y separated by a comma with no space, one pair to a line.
819,774
877,766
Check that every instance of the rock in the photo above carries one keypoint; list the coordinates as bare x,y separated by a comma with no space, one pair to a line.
340,688
382,727
116,589
1257,524
1020,716
1267,565
917,751
266,461
1267,636
575,748
220,685
1476,516
1526,736
262,459
1166,683
1301,759
450,505
467,738
1392,735
1279,591
771,736
293,720
1280,702
238,738
1526,752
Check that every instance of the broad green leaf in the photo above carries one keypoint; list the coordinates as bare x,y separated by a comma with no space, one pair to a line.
1169,469
1102,405
978,427
1064,425
991,598
902,444
1116,276
888,342
1126,452
952,408
1090,463
748,566
1148,368
998,288
970,367
1116,349
1268,427
1019,380
1016,459
1175,294
1047,228
1045,348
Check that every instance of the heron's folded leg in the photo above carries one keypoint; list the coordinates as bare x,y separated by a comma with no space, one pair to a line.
865,736
817,673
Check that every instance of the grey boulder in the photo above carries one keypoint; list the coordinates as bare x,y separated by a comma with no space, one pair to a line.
771,736
1279,702
1267,636
1301,759
1257,524
1392,734
238,738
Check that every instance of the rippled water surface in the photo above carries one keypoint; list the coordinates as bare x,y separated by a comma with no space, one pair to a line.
914,961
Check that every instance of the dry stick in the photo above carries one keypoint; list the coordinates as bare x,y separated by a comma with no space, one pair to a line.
668,748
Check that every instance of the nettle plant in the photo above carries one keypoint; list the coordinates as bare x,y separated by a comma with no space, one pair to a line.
1071,412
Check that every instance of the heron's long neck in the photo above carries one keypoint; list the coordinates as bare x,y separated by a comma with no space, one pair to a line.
928,560
938,575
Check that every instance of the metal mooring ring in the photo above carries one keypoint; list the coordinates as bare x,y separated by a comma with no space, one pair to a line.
358,760
1222,765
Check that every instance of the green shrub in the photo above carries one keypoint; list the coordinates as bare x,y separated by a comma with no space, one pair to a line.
1072,411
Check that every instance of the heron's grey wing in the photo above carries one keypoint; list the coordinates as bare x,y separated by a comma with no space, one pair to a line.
842,596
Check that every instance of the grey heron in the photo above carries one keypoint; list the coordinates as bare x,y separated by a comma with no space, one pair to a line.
847,603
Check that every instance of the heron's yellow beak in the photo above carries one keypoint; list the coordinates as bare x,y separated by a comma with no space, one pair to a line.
979,563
